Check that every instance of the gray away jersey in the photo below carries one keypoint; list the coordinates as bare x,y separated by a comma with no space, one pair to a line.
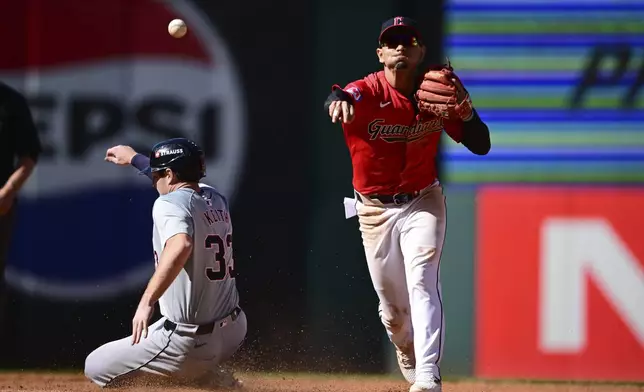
204,289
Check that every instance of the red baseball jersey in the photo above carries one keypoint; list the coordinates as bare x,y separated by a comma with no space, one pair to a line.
391,149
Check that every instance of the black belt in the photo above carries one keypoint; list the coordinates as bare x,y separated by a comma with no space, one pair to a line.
204,329
397,199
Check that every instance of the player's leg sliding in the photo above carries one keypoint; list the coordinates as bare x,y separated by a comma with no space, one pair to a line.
119,361
171,353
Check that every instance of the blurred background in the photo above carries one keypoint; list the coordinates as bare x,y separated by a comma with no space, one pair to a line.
543,270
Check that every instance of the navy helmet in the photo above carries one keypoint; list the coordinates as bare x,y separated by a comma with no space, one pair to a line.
181,155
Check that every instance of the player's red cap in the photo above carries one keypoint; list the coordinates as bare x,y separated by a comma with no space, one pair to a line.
400,22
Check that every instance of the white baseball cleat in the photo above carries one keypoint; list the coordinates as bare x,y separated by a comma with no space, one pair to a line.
433,386
407,362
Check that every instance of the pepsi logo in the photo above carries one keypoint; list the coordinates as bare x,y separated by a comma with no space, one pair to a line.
94,79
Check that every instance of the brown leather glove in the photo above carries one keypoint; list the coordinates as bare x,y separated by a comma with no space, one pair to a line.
442,94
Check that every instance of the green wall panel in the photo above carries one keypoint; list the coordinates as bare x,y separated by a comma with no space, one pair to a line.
457,277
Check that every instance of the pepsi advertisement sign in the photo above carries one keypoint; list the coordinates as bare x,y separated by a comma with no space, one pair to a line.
97,74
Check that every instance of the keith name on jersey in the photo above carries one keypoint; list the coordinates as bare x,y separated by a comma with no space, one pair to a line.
393,133
216,216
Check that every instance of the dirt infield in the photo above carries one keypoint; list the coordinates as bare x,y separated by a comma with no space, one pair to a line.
26,382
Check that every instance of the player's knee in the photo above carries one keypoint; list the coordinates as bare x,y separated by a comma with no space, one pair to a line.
95,370
394,318
423,256
391,324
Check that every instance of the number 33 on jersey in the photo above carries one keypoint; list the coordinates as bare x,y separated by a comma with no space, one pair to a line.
223,257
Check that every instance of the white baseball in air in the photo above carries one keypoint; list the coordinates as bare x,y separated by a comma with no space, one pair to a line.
177,28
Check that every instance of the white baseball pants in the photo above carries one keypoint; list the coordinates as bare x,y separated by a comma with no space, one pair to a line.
403,246
178,353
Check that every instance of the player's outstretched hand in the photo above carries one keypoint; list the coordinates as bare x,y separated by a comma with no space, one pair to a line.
140,322
120,155
341,110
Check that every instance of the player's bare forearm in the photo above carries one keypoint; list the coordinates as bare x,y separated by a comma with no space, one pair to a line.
174,256
20,175
476,135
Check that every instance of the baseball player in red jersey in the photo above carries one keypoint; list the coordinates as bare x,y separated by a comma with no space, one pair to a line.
399,199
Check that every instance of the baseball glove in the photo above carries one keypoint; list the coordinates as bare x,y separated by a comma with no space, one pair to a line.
441,94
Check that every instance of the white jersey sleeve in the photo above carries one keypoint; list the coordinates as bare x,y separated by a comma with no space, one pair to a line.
172,219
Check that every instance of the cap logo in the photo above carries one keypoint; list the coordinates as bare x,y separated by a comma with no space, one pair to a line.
398,20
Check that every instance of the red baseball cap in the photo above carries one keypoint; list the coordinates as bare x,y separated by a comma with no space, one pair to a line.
400,22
